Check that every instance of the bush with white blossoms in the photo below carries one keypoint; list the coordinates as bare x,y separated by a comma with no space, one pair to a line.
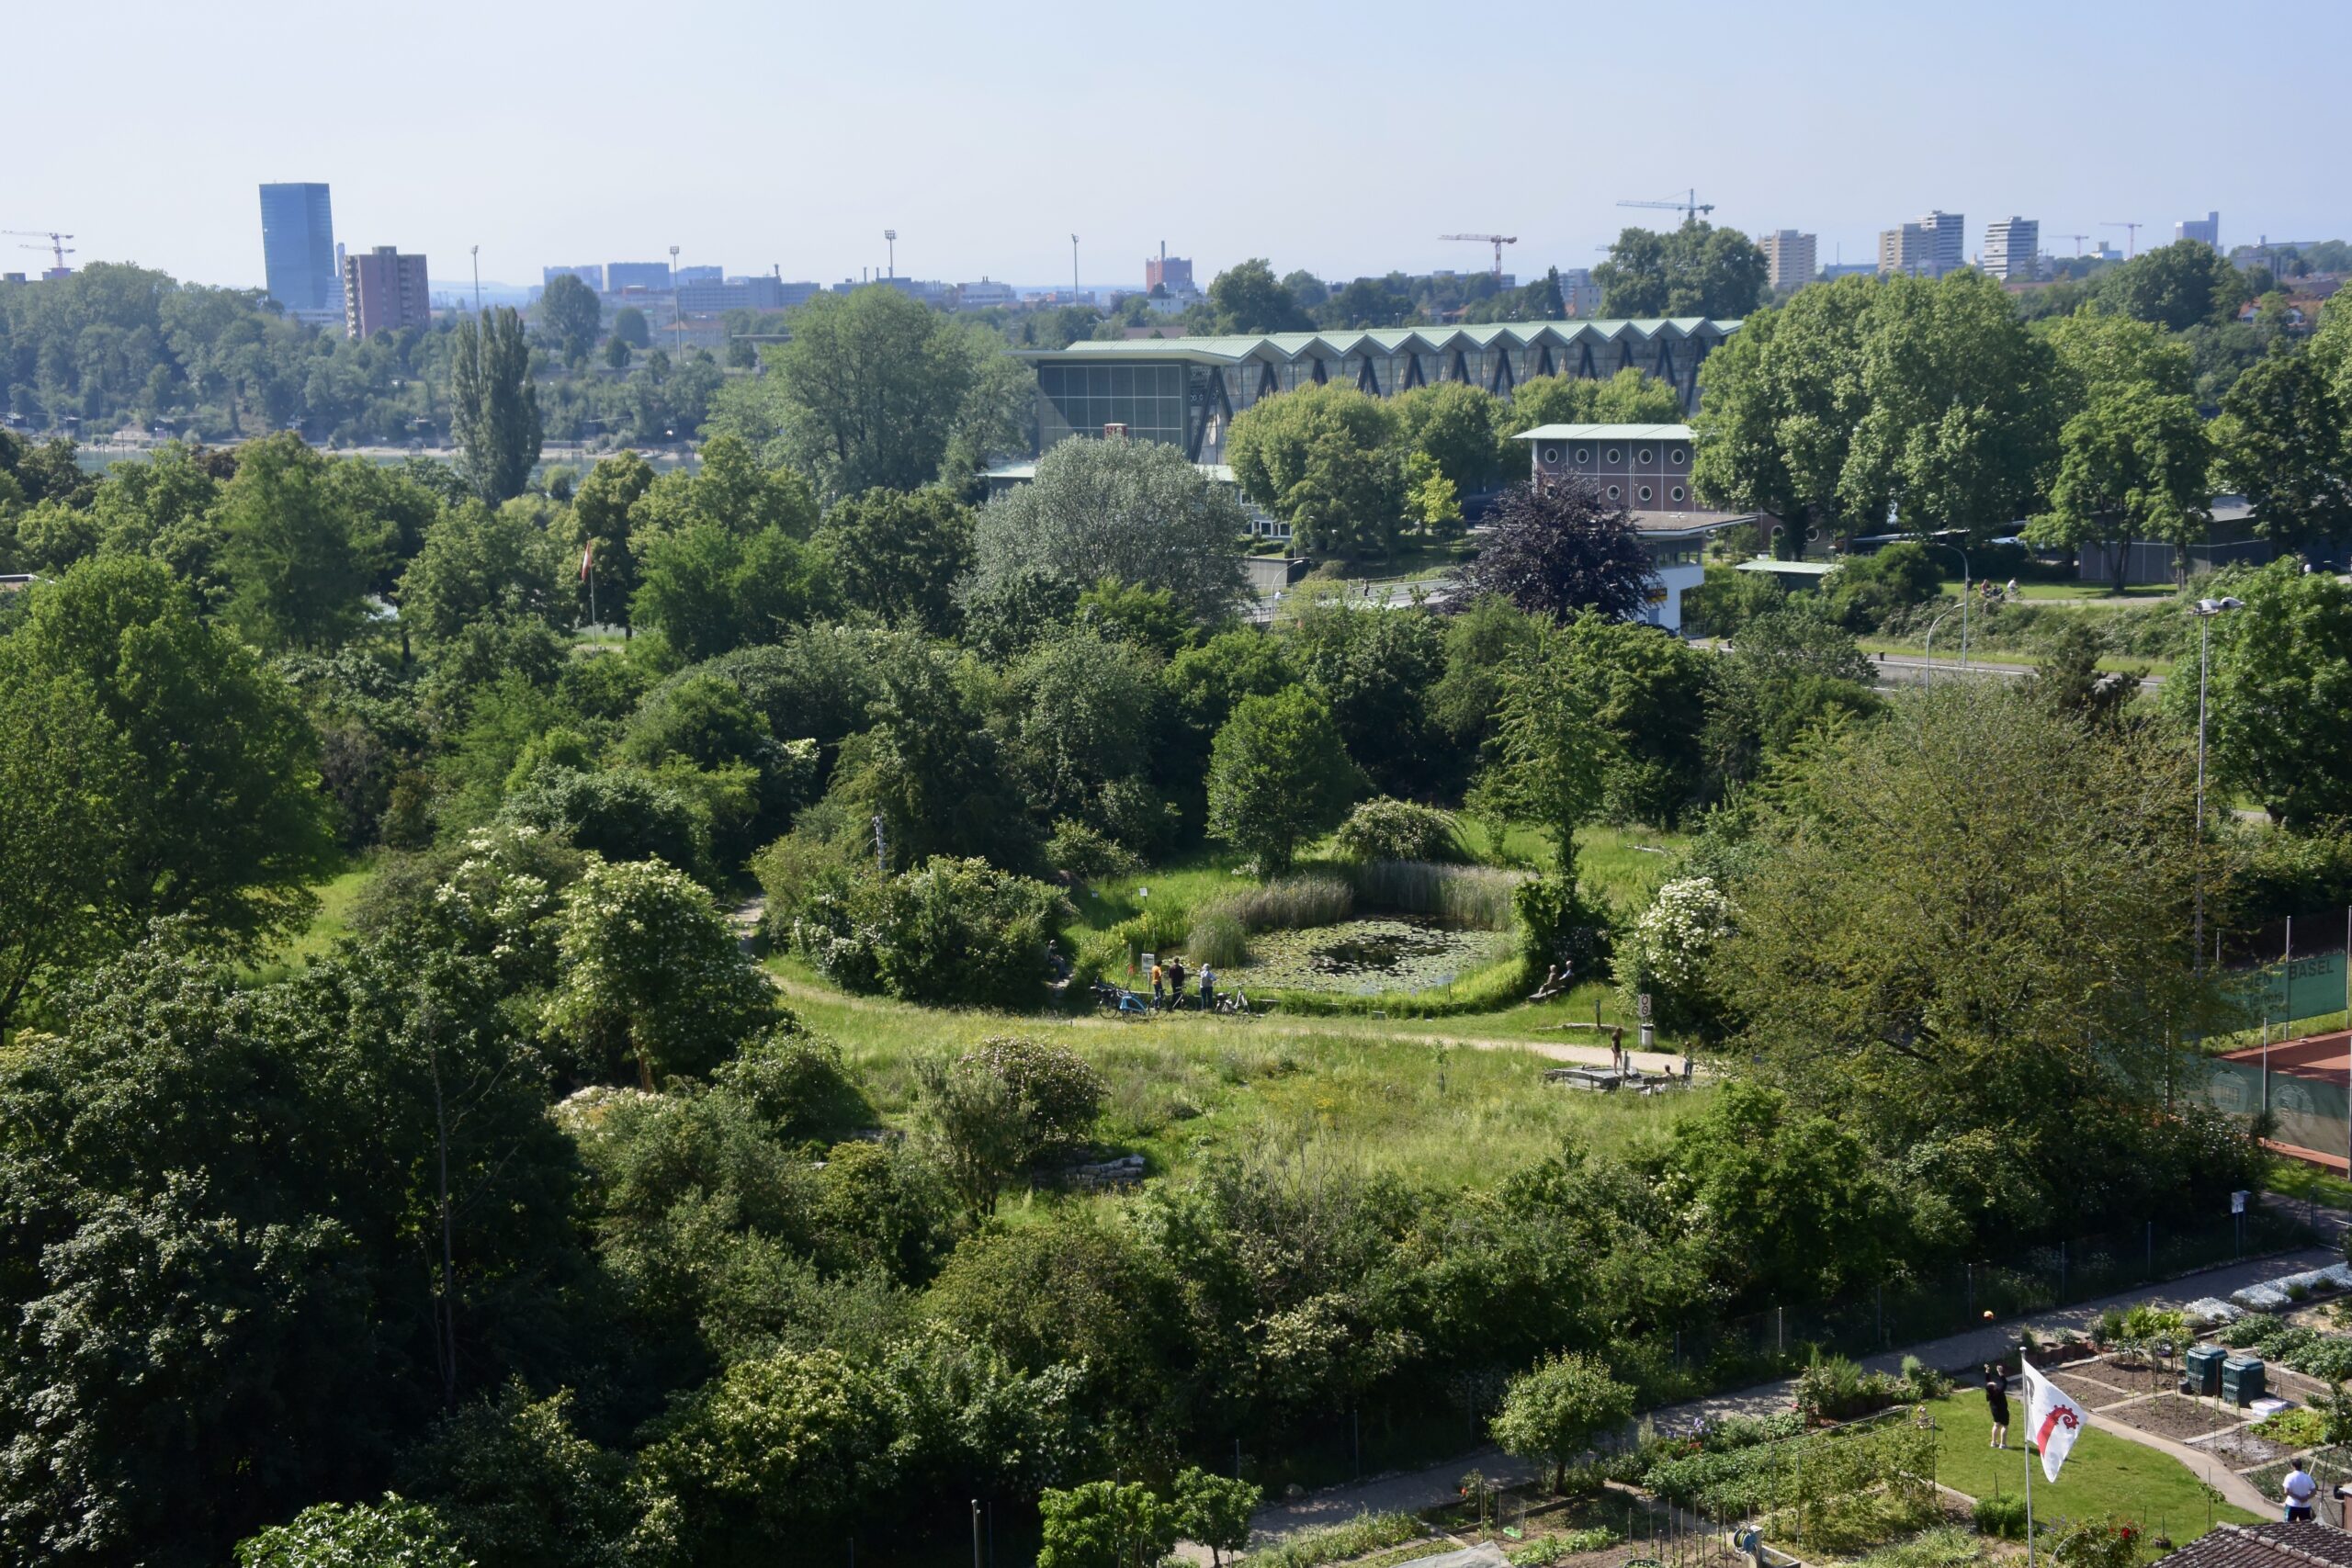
1669,950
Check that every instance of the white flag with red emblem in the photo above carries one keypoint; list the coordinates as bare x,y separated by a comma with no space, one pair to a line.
2052,1419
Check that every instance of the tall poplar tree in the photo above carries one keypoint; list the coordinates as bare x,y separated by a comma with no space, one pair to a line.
497,417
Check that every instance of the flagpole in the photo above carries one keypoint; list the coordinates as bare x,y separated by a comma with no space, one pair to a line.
2029,1465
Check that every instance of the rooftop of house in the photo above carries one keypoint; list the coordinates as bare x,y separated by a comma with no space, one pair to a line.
2302,1545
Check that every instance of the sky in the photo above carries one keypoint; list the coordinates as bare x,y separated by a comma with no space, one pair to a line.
1340,138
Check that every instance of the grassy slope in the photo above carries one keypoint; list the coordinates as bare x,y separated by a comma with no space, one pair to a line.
2104,1473
1184,1089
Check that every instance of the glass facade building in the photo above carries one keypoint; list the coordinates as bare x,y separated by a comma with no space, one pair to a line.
1080,400
298,247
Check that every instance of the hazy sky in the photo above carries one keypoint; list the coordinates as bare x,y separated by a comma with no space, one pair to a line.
1341,138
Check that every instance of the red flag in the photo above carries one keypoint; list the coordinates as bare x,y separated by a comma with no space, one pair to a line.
587,559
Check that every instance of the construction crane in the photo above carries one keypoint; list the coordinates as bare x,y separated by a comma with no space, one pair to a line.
2078,239
2130,234
1497,241
1689,205
56,246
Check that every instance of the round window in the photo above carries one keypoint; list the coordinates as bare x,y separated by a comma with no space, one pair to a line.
1647,456
1678,492
1552,455
1615,456
1584,454
1614,492
1677,456
1644,493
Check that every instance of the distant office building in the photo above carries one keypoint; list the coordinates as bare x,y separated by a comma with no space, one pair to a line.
591,274
702,275
712,296
620,276
980,296
2013,249
1789,258
297,249
2207,229
1579,293
384,292
1928,248
1176,272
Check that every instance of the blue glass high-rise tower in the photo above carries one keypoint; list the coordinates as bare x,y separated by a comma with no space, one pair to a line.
298,247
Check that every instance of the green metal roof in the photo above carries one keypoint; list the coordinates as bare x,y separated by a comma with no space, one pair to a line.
1231,349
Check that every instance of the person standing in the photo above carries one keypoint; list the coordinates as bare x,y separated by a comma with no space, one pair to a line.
1176,982
1209,987
1158,986
1997,1402
2300,1489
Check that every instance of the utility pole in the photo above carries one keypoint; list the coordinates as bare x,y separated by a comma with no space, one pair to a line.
477,256
2204,610
677,320
1073,269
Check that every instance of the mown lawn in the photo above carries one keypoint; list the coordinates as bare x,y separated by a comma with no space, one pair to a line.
2104,1473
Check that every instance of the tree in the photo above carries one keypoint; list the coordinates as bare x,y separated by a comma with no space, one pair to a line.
480,564
390,1534
297,564
600,530
1456,428
1323,459
869,389
931,768
1958,421
2177,286
570,314
901,556
2132,465
772,1450
63,770
1278,774
650,965
494,405
1215,1510
1552,758
1103,1523
1132,511
617,352
1248,298
2280,677
2284,441
1556,549
710,589
219,819
1630,396
630,325
1936,1001
1695,270
1778,407
730,490
994,1111
1374,671
1557,1408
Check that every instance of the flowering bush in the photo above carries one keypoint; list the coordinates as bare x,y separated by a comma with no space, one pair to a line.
1668,951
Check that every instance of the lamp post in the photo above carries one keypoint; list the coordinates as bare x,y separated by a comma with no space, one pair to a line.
1938,544
1928,676
2204,610
677,322
1073,269
891,237
477,280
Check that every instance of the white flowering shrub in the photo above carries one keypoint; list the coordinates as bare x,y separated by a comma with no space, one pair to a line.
1669,950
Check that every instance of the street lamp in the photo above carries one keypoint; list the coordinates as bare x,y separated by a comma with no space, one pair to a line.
677,322
1939,545
2204,610
891,235
1928,676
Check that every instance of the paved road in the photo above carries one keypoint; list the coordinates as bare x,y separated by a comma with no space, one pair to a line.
1414,1490
1911,670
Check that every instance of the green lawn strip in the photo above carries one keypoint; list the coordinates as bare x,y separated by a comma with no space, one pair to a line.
2104,1473
329,922
1948,651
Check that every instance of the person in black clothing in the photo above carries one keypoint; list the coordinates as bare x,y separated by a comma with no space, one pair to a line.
1996,1401
1176,983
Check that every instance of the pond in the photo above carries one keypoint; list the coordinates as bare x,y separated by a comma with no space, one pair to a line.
1393,952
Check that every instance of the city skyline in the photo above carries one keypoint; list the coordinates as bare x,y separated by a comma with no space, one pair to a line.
759,176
